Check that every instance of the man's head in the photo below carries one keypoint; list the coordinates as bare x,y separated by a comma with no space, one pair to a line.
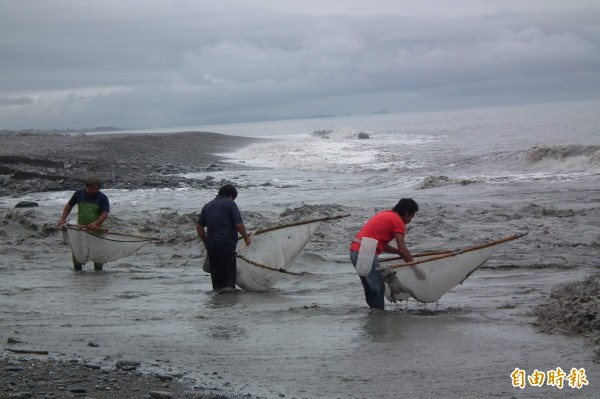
92,185
406,208
228,191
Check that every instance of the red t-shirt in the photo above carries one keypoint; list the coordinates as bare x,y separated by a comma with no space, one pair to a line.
382,227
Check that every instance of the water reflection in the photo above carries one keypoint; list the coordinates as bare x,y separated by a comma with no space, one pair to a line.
90,280
226,332
223,299
384,326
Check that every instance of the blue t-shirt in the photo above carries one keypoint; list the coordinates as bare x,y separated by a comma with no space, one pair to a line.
220,216
80,196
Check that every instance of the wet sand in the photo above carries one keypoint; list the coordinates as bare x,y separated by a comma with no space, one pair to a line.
423,332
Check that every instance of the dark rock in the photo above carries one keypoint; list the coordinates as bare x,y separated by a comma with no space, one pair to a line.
27,204
165,377
127,364
161,395
20,395
363,135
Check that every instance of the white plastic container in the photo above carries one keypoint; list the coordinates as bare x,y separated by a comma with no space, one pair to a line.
366,255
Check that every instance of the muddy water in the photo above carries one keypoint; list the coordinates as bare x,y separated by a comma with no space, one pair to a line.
313,335
296,341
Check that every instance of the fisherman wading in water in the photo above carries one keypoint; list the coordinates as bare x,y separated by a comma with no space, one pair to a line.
386,226
92,210
218,227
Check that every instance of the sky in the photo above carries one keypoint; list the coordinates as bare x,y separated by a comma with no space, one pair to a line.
74,64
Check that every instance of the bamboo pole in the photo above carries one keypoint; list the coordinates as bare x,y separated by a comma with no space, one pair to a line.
460,251
298,223
106,231
419,255
243,247
280,270
259,231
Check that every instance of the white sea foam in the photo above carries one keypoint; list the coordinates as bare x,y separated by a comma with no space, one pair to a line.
565,158
337,150
309,153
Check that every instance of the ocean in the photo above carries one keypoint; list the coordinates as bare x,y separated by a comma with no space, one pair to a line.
477,174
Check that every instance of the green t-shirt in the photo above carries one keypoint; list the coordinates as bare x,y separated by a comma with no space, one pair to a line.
89,208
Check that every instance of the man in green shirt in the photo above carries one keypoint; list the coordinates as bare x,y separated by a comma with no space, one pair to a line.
92,210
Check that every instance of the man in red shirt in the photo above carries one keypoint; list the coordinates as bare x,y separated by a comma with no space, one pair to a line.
385,226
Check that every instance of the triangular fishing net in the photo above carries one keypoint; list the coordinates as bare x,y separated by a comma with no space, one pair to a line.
275,249
101,248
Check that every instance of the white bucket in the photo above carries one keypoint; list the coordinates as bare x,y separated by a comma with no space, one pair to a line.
366,255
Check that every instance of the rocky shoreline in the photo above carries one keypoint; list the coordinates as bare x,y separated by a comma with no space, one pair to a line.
50,378
574,309
36,162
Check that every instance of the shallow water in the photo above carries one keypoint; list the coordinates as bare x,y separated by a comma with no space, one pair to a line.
313,336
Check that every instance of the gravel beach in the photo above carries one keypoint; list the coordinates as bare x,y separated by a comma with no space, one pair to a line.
34,162
50,378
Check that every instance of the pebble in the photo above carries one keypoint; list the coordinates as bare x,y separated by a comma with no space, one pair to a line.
21,395
161,395
127,365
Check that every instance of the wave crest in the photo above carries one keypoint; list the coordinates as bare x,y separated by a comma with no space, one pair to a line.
440,181
565,157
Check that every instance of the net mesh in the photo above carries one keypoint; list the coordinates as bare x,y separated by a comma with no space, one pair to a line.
275,249
101,248
441,275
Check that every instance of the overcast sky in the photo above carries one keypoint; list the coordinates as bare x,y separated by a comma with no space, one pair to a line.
145,63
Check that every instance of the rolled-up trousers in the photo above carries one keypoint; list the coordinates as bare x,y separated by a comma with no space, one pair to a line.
373,284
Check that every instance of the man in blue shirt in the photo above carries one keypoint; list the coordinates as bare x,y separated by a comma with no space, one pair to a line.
222,220
92,210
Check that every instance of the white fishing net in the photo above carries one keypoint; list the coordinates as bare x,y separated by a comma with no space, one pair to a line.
441,275
275,249
101,248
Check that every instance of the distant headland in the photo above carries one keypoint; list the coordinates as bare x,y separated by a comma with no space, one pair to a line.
97,129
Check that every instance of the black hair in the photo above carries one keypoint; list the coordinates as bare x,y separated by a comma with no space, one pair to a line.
406,206
92,180
228,191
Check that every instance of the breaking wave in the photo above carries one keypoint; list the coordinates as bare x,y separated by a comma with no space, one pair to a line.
564,158
440,181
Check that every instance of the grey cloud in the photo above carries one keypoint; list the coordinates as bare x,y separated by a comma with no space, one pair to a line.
182,63
15,101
